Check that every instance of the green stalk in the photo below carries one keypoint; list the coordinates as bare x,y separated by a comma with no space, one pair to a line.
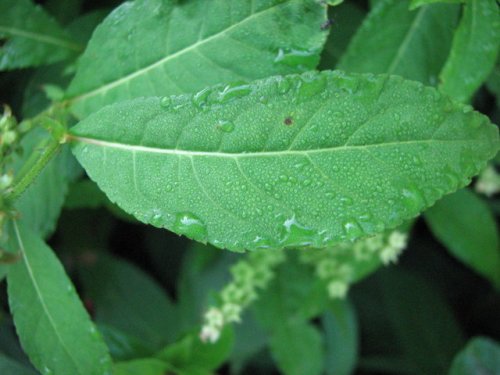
33,167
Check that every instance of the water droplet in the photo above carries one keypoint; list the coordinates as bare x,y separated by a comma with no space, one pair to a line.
262,243
191,226
283,85
166,102
346,200
200,98
264,99
225,126
230,93
294,234
297,58
311,85
412,200
352,230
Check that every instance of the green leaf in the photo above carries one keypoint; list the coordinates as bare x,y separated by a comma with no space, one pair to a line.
159,47
40,205
128,299
32,36
297,348
190,355
410,324
86,194
287,161
146,366
250,339
304,299
480,356
53,326
11,367
418,3
345,20
124,347
341,338
474,50
467,227
394,40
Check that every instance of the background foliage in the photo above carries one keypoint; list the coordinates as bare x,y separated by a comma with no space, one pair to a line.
88,289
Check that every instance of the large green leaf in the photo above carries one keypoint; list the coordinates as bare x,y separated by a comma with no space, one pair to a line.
162,47
345,20
32,36
474,51
191,356
341,338
128,299
411,326
297,348
146,366
481,356
394,40
466,226
9,366
52,324
287,161
417,3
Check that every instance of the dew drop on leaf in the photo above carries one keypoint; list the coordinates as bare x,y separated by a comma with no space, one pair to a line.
225,126
166,102
190,225
352,230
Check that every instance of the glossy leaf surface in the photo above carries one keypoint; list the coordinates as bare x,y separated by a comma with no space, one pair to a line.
394,40
474,50
53,326
316,158
32,36
158,47
466,226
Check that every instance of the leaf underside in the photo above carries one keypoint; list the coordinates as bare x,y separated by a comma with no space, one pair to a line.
159,47
306,160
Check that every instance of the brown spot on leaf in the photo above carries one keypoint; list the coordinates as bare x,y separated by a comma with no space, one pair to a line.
288,121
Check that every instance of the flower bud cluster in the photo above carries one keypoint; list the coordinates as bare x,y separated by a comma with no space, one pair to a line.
248,275
488,182
9,140
337,266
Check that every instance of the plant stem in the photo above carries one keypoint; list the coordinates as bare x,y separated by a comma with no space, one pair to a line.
33,167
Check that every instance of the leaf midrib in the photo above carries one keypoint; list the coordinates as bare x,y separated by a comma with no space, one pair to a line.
406,41
192,47
41,38
41,298
190,153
